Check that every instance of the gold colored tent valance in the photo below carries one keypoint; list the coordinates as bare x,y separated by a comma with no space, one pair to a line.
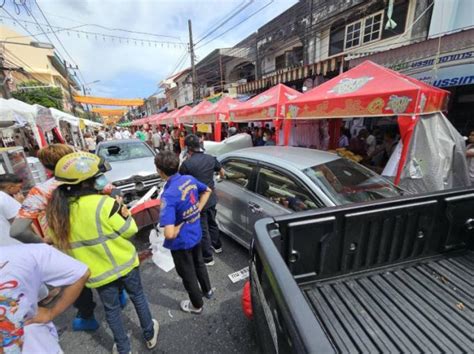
109,101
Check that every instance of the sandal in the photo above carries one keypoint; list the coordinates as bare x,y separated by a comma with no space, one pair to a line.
188,307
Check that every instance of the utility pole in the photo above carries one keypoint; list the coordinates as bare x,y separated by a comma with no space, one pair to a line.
4,79
222,72
71,99
193,67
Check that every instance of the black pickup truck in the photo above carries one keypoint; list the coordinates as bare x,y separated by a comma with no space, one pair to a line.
392,276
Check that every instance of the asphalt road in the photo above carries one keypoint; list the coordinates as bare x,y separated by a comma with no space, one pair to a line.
221,328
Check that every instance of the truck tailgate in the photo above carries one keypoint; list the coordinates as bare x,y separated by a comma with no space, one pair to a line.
425,306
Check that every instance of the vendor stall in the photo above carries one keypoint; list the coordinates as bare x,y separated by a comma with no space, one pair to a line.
215,113
370,90
172,119
70,128
18,121
267,106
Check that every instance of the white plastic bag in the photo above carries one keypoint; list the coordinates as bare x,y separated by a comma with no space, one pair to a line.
161,256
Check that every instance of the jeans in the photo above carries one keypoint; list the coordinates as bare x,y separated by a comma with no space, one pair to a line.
210,233
109,295
85,304
192,270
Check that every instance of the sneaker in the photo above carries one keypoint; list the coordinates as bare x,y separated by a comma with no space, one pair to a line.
150,344
188,307
209,295
123,298
217,249
85,324
115,350
209,263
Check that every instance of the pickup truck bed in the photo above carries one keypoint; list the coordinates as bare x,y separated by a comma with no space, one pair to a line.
426,306
390,276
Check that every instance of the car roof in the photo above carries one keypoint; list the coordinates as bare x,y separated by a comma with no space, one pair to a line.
299,158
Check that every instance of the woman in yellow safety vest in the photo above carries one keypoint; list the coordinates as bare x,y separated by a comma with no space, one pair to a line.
94,229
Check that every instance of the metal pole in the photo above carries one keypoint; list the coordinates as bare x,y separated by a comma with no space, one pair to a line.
222,76
193,67
4,80
71,100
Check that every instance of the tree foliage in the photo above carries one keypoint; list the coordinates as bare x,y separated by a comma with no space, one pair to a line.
45,96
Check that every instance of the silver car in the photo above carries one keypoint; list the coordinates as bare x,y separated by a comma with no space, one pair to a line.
133,168
271,181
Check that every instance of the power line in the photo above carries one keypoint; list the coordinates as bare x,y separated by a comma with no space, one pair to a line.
115,29
226,20
62,45
97,35
237,24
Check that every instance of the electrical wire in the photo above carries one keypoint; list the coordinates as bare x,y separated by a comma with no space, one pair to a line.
61,43
114,29
236,25
96,35
226,20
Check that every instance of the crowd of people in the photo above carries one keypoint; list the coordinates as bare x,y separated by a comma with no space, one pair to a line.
373,145
69,235
77,238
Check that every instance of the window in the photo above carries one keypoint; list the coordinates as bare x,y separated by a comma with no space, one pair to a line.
400,11
125,151
353,34
348,182
238,172
280,62
372,28
336,40
283,190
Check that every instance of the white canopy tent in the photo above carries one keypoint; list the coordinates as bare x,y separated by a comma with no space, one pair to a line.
15,114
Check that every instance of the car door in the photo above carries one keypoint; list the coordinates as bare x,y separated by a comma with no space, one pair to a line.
277,192
233,197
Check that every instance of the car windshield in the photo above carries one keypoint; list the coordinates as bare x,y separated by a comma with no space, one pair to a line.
124,151
345,182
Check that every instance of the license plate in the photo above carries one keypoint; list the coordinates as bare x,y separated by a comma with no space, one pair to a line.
239,275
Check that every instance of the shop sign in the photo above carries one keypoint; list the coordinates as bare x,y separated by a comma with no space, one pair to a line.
451,58
448,76
45,120
204,128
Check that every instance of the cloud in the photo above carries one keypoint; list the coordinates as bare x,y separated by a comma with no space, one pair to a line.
133,70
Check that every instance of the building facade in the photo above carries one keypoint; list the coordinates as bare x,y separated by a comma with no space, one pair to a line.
42,65
178,89
314,39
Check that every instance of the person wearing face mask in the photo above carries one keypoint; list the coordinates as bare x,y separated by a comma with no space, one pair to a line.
267,139
94,229
31,226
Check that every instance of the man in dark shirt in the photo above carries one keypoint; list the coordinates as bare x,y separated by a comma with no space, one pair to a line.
203,167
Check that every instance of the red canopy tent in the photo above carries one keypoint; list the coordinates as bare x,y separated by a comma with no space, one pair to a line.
154,119
188,117
370,90
173,117
269,105
217,113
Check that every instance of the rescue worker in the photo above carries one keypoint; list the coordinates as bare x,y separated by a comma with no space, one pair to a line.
32,215
94,229
182,200
203,167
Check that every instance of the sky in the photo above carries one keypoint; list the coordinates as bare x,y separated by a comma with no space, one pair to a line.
135,70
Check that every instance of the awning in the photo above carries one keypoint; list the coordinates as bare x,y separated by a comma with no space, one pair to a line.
218,111
173,117
267,105
365,91
292,74
189,116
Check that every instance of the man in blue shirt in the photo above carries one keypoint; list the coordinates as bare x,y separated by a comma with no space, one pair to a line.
182,201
